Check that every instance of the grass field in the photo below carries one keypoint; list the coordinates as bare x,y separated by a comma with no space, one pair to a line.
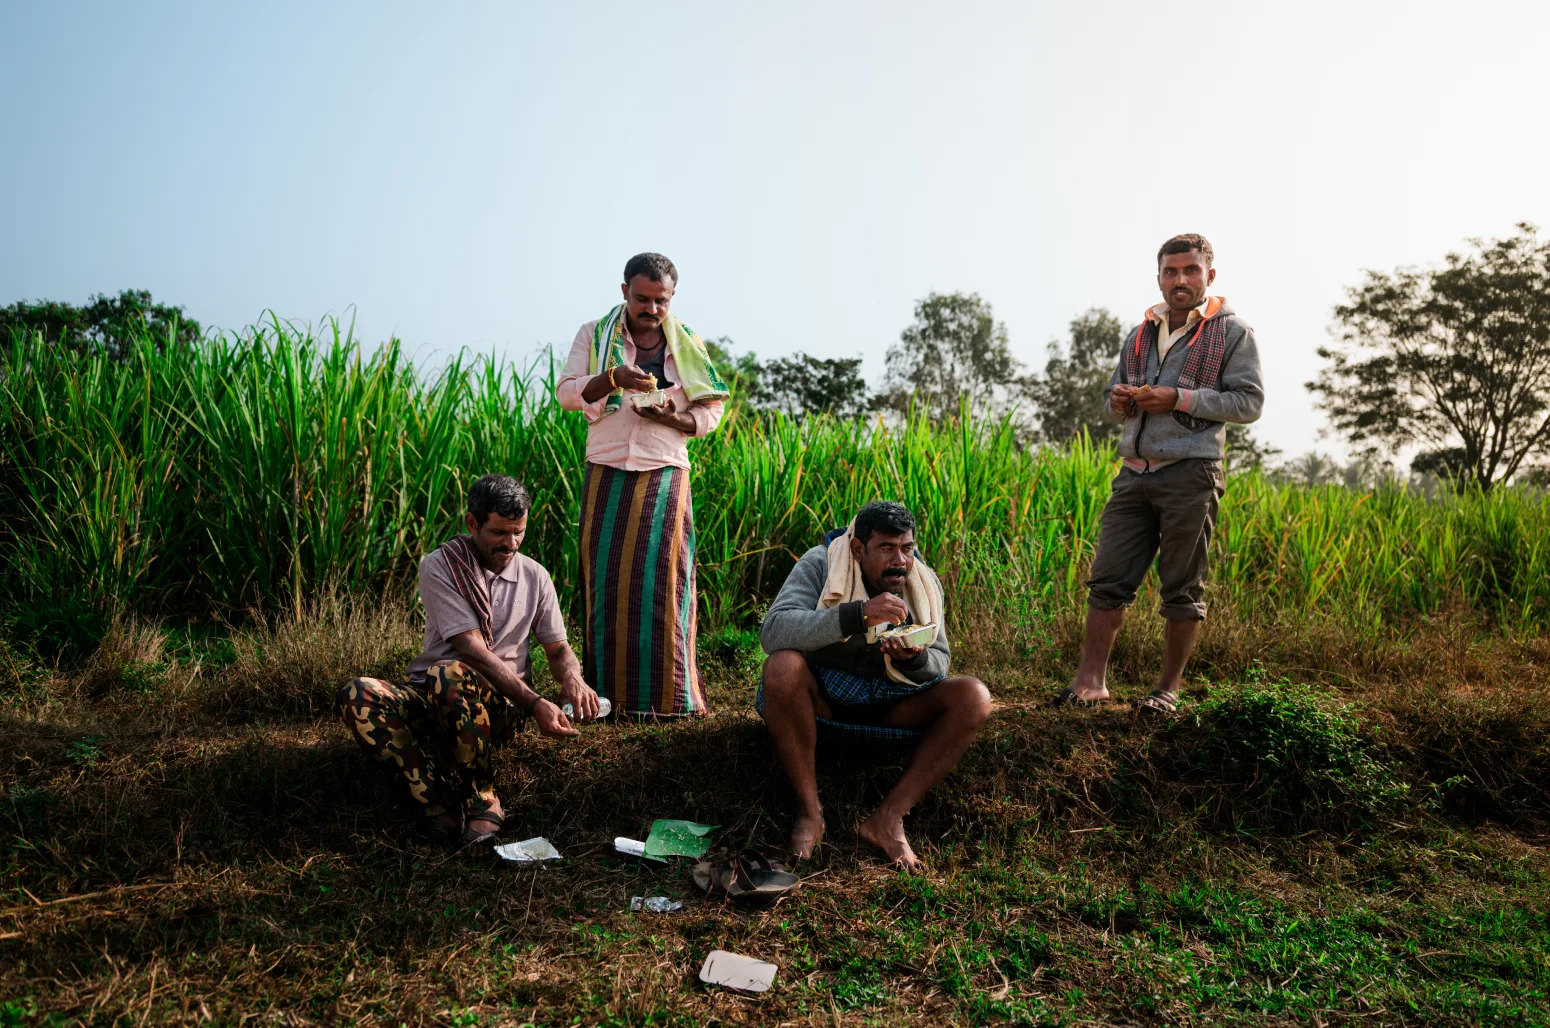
1348,826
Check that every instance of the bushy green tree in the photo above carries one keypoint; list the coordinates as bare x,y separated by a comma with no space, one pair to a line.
1454,358
804,384
1068,396
105,324
955,352
798,385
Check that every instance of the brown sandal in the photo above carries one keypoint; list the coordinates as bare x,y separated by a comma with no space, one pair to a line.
471,837
750,878
1159,701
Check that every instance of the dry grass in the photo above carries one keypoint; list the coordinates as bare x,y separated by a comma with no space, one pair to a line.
210,847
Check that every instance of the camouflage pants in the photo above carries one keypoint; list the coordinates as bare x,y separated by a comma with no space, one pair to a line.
437,737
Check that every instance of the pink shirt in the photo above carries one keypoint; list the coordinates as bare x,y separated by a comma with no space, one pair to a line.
624,439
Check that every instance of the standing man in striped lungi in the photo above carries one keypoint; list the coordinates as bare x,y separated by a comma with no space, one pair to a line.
646,384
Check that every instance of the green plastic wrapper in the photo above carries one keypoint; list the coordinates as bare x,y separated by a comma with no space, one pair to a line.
678,839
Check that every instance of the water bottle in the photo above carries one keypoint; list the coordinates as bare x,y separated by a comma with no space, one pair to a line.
604,708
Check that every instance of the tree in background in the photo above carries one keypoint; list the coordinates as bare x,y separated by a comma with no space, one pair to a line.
1456,359
798,385
955,351
102,325
1069,395
803,384
742,372
1244,451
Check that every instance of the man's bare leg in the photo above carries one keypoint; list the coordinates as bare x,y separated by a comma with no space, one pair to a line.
1179,638
1097,643
792,706
954,710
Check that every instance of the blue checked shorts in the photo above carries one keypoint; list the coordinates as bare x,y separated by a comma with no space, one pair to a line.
847,690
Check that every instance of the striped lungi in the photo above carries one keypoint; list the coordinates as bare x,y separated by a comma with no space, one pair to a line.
637,559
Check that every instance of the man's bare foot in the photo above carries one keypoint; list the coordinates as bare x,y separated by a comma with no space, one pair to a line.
887,834
806,833
1090,692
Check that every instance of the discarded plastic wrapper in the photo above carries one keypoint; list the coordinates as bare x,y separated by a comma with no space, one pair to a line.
911,635
737,972
528,851
655,904
671,838
637,849
654,398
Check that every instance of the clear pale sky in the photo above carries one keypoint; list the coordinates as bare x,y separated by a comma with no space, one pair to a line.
476,174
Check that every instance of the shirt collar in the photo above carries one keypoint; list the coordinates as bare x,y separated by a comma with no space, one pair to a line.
1204,309
511,572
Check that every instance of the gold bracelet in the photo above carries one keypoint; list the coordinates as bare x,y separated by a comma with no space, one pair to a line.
612,385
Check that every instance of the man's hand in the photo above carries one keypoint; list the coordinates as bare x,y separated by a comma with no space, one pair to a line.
668,415
885,608
1157,400
1120,399
631,377
552,721
581,697
898,649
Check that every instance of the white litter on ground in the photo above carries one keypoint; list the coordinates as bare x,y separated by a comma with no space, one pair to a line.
528,851
629,847
737,972
655,904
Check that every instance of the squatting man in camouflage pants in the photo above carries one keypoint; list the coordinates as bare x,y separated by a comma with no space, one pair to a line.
468,691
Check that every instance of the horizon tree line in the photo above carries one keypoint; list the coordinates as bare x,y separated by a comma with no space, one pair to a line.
1453,360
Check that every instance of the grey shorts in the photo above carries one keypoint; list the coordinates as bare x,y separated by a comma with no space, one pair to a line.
1167,514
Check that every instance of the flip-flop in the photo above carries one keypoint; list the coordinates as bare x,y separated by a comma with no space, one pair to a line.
1069,698
750,878
1158,701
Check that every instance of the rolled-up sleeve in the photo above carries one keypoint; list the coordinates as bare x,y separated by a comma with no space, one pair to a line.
574,377
707,416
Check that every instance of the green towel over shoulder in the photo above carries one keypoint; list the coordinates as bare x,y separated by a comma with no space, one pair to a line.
696,373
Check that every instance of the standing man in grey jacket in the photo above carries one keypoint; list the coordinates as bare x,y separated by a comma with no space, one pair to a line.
1187,370
826,664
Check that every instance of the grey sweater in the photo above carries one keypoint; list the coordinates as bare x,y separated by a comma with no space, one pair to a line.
1238,396
835,637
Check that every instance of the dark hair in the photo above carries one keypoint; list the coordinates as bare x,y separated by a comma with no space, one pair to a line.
1184,244
498,494
883,516
653,265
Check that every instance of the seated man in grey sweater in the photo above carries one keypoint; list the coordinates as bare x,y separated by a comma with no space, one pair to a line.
828,662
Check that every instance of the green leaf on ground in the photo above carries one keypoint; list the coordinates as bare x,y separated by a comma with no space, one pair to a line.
678,839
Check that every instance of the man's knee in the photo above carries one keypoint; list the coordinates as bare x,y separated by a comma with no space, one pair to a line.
358,694
444,681
786,674
969,697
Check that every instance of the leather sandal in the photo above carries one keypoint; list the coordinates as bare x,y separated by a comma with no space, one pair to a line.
1069,698
440,831
1158,701
750,878
471,837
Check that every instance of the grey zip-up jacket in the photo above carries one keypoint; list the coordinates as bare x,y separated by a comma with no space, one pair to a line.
835,637
1238,396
